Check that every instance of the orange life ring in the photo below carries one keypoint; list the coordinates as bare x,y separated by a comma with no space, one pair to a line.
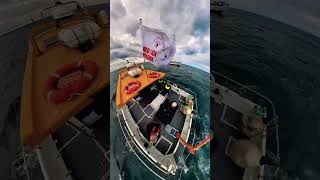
154,75
70,79
132,87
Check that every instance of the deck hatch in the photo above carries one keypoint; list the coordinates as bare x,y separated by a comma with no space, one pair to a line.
163,145
136,112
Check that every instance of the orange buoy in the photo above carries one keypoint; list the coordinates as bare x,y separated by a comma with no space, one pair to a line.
70,79
194,149
154,75
132,87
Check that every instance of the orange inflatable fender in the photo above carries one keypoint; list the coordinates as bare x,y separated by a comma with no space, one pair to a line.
132,87
69,80
154,75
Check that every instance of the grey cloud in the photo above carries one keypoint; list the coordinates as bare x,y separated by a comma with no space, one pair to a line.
132,28
190,51
188,20
173,6
119,54
118,10
115,45
201,23
135,44
123,53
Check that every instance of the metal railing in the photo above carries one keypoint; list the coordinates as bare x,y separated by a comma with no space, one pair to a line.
133,146
193,118
249,93
189,91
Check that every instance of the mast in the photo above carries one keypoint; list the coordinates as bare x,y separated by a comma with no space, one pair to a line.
144,60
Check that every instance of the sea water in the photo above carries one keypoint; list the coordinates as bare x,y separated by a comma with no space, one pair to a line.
283,63
198,165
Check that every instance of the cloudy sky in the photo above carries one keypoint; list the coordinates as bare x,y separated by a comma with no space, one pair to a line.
189,20
303,14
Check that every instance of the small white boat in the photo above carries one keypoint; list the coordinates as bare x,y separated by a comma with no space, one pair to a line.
175,63
219,6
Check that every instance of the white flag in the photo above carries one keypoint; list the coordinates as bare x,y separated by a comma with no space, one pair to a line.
157,46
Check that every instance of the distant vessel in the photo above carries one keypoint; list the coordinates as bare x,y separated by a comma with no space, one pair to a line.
246,128
219,6
63,116
175,63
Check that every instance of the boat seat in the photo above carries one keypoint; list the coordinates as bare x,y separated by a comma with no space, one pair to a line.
155,105
79,34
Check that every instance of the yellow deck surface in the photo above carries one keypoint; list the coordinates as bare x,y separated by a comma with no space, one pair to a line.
39,118
122,98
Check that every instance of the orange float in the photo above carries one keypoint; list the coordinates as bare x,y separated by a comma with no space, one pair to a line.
154,75
69,80
132,87
194,149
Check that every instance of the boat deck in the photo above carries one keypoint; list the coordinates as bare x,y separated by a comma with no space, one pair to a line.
229,107
225,169
142,114
82,155
123,98
152,106
83,143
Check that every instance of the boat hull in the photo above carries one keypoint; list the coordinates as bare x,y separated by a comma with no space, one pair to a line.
160,159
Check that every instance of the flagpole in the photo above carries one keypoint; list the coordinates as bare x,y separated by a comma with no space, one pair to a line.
144,59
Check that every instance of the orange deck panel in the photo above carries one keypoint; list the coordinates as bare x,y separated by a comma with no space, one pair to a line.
122,98
39,118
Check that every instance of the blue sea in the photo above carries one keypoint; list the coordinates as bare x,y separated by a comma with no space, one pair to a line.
199,165
13,56
283,63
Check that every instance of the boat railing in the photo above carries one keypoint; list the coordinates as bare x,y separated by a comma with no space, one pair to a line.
189,91
25,166
272,146
242,90
167,159
133,146
192,140
138,152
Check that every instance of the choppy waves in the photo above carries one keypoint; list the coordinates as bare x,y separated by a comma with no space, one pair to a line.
284,62
198,165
